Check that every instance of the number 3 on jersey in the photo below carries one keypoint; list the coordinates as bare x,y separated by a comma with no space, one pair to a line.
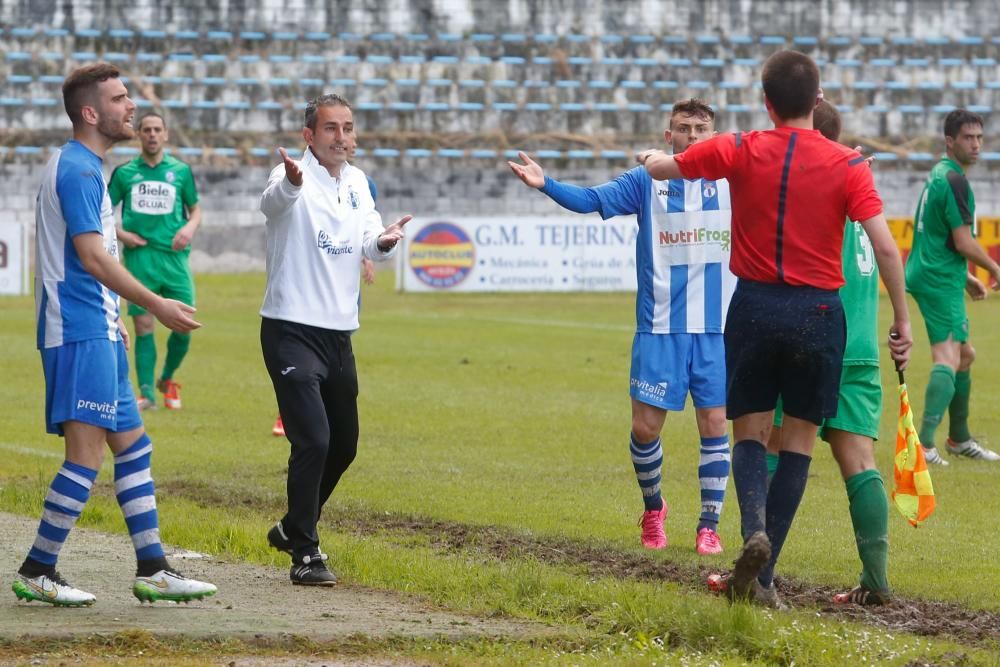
865,254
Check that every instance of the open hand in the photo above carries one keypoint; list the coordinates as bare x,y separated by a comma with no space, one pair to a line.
292,171
530,172
388,239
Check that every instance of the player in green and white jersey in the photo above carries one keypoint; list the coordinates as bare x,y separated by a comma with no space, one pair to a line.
937,274
160,215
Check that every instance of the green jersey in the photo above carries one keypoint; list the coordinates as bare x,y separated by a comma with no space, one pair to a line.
155,198
860,297
934,265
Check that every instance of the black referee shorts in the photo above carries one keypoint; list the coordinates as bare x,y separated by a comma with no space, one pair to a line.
784,340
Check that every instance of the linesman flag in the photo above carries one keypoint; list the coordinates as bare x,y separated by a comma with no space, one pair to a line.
913,494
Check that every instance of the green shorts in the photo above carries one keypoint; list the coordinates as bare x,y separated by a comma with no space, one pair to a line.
859,404
163,272
944,315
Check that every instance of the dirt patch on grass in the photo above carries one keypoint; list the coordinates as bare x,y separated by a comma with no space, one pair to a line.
253,602
920,617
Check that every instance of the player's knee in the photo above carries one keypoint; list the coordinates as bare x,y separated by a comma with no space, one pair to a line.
713,424
967,355
645,430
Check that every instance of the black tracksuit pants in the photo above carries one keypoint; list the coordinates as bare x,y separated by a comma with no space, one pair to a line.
316,383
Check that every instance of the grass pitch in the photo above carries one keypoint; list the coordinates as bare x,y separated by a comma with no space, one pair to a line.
510,413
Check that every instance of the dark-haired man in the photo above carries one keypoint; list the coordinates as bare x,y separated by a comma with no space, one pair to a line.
321,220
682,261
88,396
785,333
160,215
937,274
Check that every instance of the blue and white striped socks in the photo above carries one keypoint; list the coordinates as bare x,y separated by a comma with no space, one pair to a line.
713,474
67,495
135,493
647,460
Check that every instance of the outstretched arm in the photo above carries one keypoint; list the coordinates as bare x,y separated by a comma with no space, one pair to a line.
571,197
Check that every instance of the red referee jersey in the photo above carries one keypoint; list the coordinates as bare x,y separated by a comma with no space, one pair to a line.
791,190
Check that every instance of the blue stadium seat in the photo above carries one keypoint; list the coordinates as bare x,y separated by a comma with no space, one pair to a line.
698,84
712,62
412,59
483,37
504,106
220,35
937,41
224,151
240,105
896,85
572,106
920,157
930,85
903,40
886,157
580,60
964,85
180,80
612,39
44,101
318,36
848,62
247,81
911,108
478,60
346,59
990,156
882,62
511,154
181,57
645,62
805,40
385,152
707,39
970,40
376,59
375,82
772,40
369,106
85,55
548,154
633,84
206,104
865,85
739,108
174,104
311,83
152,79
89,33
146,57
252,35
614,155
984,62
471,83
741,40
437,106
567,83
51,78
257,151
606,106
871,40
280,58
916,62
445,60
153,34
416,37
513,37
19,78
642,39
470,106
503,83
580,155
23,32
876,108
577,38
18,55
284,36
512,60
737,85
28,150
56,32
344,36
115,57
542,60
951,62
418,152
640,107
439,83
222,58
271,105
747,62
839,40
665,85
600,83
451,152
382,36
538,106
312,59
544,38
120,33
845,108
484,153
190,151
449,37
980,108
187,34
402,106
943,108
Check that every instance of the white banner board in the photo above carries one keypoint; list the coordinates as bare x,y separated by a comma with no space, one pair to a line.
518,254
13,259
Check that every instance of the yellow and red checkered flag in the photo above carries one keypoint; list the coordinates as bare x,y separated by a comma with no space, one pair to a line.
913,494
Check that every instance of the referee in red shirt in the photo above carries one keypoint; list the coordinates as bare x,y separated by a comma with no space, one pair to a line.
785,332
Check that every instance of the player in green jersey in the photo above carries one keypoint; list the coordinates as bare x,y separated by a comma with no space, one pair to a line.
936,275
160,215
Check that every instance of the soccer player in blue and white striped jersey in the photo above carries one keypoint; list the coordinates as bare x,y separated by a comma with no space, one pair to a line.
684,288
88,396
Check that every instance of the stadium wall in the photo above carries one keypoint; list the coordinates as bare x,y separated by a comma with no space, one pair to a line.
915,18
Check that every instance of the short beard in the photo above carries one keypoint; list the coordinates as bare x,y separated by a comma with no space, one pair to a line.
114,131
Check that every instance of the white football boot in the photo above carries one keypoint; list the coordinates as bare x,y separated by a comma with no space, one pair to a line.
171,585
52,589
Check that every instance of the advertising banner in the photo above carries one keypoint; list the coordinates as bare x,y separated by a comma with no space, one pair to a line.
519,254
13,259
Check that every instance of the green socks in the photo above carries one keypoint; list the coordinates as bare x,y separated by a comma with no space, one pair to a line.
941,388
870,518
958,410
145,365
772,465
177,348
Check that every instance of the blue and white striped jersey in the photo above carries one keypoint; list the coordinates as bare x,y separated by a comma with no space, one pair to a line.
682,251
70,304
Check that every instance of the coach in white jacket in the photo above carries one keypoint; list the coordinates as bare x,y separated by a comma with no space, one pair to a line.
321,220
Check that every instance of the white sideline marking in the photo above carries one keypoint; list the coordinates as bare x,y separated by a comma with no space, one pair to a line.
31,450
564,324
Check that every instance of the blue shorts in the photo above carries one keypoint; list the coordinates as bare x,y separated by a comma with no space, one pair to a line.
666,366
88,382
786,341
